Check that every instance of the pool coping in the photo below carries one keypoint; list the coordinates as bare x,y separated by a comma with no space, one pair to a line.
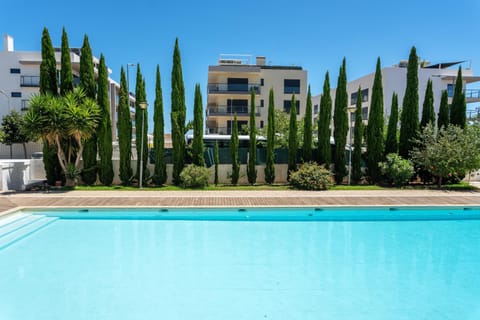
13,202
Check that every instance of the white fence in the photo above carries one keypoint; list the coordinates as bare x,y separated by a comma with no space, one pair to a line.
18,151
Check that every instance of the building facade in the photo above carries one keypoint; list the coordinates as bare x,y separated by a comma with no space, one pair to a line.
229,89
20,79
394,79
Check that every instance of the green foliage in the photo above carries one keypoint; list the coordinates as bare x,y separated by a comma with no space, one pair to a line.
340,124
292,137
234,152
324,149
391,142
252,147
124,132
397,170
409,117
375,135
13,131
428,113
160,171
216,161
66,75
458,109
178,115
87,83
141,125
197,145
444,111
451,152
48,66
270,161
282,127
48,85
65,122
193,176
357,142
307,129
105,149
311,176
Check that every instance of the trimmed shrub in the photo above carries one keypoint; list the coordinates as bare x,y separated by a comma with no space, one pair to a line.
193,176
397,170
311,176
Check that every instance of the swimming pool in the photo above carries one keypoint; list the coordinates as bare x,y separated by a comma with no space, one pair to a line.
301,263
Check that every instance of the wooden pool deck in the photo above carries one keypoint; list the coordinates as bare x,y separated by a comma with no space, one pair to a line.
256,198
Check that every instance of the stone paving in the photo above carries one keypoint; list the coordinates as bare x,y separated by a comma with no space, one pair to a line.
284,198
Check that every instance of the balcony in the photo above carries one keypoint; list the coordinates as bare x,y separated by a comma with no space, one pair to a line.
218,110
30,81
223,88
472,95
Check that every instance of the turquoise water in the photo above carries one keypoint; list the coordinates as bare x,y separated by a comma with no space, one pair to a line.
241,264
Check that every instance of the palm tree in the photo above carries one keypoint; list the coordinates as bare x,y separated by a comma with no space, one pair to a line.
65,122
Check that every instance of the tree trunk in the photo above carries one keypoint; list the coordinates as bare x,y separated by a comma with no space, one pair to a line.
69,182
439,182
24,150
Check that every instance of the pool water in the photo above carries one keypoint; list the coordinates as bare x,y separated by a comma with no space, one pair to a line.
298,263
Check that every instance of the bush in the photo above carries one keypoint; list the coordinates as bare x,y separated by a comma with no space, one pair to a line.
397,170
193,176
311,176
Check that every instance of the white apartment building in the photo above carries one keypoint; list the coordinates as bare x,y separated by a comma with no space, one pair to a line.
20,79
230,84
394,79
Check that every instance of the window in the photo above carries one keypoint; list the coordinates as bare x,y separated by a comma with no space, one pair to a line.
238,106
315,109
261,124
24,105
353,97
14,70
450,89
261,82
240,125
365,113
262,103
237,84
291,86
287,104
16,94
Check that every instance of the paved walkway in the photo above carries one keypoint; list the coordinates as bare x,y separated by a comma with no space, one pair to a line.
284,198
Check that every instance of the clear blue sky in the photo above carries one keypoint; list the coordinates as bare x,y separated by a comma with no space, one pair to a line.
311,33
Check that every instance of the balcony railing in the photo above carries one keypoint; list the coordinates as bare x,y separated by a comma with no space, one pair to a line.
472,94
217,110
30,81
233,88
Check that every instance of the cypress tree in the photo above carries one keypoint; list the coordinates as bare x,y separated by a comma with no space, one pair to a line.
428,113
66,75
216,161
292,138
197,145
48,66
458,109
307,129
391,142
324,119
443,112
105,128
340,123
234,152
375,137
178,115
48,85
270,161
409,117
252,145
124,132
160,173
87,83
141,122
357,140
